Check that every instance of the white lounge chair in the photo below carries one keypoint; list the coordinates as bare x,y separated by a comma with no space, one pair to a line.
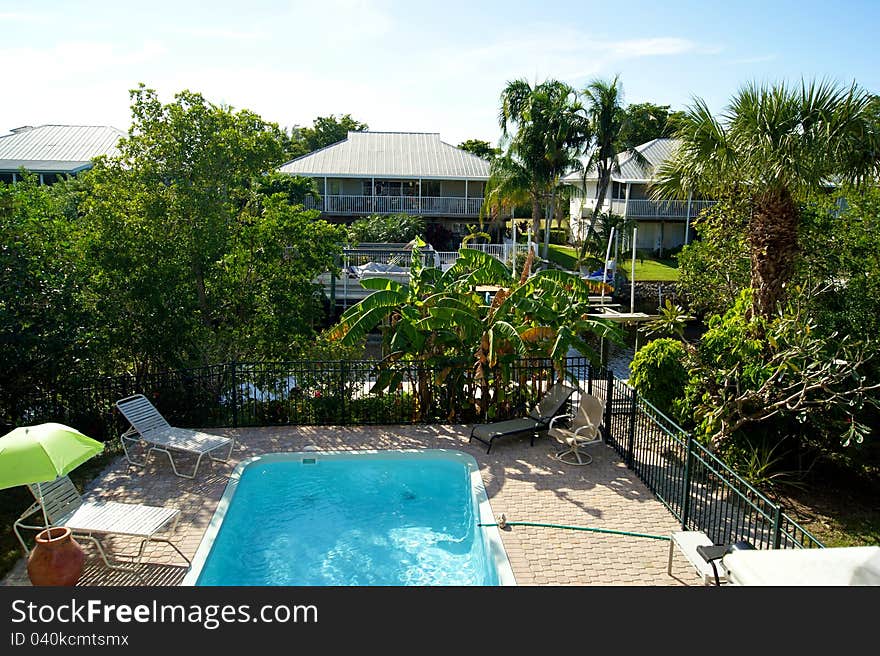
578,430
90,520
149,427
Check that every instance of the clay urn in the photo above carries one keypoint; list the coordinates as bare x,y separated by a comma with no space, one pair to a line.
57,559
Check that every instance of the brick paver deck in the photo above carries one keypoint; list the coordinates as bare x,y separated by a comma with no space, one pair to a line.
522,482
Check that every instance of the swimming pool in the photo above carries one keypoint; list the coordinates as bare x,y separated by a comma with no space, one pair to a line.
353,518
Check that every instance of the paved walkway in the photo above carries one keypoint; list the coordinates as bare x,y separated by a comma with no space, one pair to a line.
522,482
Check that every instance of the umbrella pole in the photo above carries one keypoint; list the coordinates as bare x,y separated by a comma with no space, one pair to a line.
42,504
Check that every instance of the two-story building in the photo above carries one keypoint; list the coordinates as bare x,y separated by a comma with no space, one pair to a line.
48,151
396,172
662,225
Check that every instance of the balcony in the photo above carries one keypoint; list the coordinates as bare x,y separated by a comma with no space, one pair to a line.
661,210
424,206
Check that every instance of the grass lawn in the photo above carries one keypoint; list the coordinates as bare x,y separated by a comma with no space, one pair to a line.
665,270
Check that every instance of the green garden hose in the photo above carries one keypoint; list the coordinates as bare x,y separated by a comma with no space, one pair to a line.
502,522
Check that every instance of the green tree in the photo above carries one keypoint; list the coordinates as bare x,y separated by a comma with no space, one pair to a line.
295,188
551,131
44,330
603,101
659,373
386,228
714,269
509,186
643,122
480,148
439,319
772,146
181,243
327,130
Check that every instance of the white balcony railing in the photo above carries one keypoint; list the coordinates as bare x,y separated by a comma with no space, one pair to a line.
426,205
646,209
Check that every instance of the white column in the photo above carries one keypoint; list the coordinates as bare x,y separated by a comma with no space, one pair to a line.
41,179
420,195
325,194
632,278
626,200
687,220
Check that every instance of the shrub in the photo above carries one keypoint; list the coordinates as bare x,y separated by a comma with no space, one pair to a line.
658,373
391,228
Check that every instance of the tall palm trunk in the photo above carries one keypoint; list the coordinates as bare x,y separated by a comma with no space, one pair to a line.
536,216
548,221
773,246
603,182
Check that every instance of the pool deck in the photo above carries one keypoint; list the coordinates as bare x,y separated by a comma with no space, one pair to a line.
524,483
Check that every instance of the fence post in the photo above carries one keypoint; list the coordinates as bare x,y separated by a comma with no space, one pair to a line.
777,527
686,489
233,365
631,438
609,398
342,374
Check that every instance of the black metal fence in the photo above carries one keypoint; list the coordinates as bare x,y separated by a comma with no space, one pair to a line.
699,489
332,392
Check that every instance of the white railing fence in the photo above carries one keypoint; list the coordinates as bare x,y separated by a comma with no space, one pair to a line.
426,205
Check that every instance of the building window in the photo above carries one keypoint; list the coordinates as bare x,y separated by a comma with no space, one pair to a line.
431,188
334,187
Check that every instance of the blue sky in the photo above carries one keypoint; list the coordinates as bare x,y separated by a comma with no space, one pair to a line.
420,66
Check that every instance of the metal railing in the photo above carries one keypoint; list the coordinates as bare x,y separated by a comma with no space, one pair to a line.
646,209
695,485
425,206
700,490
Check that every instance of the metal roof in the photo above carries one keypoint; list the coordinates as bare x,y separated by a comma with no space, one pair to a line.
390,155
655,151
57,148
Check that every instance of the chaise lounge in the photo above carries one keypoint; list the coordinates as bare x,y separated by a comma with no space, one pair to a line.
149,427
91,520
536,421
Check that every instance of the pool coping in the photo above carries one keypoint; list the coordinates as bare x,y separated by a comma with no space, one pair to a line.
487,522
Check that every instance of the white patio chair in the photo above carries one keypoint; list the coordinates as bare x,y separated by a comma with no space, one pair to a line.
579,430
149,427
91,520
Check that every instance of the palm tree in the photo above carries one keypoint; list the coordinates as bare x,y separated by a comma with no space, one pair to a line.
509,186
551,132
603,101
774,145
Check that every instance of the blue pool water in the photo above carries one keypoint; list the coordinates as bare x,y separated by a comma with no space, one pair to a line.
382,518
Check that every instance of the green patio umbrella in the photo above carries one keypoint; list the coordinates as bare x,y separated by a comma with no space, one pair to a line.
36,454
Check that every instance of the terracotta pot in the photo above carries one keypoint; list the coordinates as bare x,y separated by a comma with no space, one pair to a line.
57,559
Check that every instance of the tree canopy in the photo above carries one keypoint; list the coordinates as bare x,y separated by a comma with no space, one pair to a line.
193,255
480,148
774,145
642,122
